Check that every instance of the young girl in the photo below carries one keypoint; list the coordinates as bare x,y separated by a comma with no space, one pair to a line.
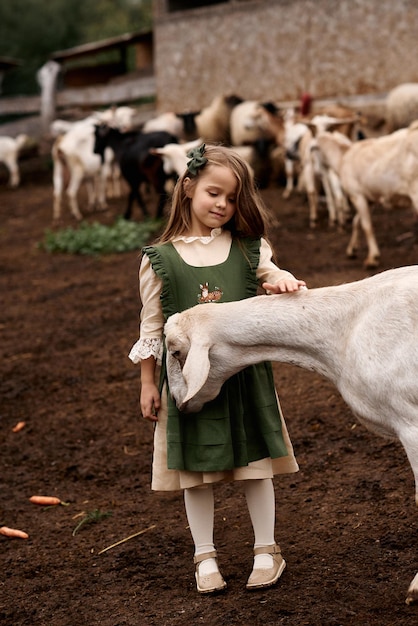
213,249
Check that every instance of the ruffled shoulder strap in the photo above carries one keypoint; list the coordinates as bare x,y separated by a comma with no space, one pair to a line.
160,257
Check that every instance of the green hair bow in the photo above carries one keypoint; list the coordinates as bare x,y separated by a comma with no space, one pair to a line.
197,160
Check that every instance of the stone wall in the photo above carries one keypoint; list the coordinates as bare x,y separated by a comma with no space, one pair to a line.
278,49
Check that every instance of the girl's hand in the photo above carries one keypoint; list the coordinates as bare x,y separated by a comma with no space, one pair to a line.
150,401
286,285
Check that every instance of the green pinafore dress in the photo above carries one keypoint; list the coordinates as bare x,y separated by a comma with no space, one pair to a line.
243,423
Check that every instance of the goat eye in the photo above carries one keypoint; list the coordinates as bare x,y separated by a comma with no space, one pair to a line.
176,354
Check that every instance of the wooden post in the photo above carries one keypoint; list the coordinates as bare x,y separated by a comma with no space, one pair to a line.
47,78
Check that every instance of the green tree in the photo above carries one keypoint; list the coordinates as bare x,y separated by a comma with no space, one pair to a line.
109,18
30,30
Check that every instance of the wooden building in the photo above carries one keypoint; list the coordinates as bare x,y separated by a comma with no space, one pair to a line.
81,66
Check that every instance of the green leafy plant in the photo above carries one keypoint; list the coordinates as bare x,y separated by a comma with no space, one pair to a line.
92,517
96,239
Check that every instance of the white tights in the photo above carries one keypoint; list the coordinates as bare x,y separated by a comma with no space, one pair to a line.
199,504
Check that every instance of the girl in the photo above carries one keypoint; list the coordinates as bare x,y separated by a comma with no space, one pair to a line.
213,249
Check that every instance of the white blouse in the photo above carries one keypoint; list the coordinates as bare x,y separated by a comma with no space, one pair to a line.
199,252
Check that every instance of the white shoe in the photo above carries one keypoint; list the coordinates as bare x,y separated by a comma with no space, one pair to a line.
267,577
208,583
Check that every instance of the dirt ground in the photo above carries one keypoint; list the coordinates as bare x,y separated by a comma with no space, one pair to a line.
347,522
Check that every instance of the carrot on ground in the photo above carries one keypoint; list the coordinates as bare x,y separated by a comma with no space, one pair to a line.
45,500
19,426
13,532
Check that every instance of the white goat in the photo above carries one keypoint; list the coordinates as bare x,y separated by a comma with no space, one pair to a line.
362,336
338,206
293,133
174,156
300,144
60,127
379,169
402,106
213,121
9,154
122,117
169,122
314,173
72,152
117,117
249,122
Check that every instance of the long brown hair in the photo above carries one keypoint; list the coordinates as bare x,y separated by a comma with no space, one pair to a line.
250,217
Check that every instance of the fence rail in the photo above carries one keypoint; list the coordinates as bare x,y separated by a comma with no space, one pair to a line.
95,96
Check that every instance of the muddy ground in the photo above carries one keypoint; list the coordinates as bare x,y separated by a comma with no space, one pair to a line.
347,522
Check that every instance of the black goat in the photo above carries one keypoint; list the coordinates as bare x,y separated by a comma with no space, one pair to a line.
137,164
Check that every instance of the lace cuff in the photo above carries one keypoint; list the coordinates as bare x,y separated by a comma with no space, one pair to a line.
145,348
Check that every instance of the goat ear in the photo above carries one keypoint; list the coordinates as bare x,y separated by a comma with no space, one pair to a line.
196,369
313,128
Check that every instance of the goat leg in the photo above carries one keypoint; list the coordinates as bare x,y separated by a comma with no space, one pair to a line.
135,194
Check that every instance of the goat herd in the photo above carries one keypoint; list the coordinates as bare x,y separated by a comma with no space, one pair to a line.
321,149
330,151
